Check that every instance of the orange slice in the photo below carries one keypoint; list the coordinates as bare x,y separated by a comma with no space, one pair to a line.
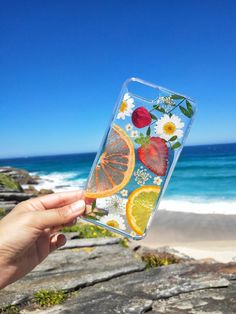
115,165
140,206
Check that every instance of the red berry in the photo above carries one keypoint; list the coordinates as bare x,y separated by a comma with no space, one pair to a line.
154,155
141,117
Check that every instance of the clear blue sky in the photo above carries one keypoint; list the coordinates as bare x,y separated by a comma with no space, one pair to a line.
62,63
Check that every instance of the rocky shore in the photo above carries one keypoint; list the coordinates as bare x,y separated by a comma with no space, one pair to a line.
112,275
12,181
102,276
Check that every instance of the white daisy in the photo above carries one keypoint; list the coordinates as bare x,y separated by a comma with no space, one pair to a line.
115,204
167,127
126,107
128,127
134,133
157,180
124,193
113,220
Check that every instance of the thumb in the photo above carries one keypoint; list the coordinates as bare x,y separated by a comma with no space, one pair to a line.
59,216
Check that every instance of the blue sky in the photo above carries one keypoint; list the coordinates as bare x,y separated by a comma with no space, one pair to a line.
62,64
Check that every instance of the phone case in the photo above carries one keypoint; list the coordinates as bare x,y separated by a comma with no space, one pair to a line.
137,157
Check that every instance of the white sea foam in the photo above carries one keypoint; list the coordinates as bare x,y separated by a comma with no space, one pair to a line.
59,181
226,207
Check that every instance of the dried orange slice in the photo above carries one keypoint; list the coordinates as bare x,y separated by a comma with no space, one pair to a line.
115,165
140,206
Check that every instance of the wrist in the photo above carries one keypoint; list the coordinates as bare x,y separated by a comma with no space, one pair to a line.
6,272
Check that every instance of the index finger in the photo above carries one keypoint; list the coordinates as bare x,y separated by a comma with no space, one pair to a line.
57,200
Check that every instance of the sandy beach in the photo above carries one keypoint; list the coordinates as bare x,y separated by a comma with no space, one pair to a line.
197,235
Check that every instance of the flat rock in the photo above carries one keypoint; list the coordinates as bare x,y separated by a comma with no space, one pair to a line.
107,278
169,289
14,196
214,301
73,269
77,243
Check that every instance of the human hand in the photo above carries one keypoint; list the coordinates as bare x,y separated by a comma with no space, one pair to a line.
30,232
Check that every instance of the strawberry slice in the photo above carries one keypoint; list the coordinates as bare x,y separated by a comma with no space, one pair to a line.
154,155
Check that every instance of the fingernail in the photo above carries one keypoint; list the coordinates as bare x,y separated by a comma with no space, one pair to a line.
77,206
61,240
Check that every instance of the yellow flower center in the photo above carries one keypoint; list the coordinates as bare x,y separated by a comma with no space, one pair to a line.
113,223
123,106
169,128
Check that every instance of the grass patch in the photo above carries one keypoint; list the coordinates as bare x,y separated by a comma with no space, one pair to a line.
124,242
47,298
10,309
87,231
8,182
2,214
159,259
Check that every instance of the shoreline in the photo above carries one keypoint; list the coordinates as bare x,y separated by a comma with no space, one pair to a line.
199,236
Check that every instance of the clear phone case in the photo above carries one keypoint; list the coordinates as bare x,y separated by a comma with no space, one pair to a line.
137,157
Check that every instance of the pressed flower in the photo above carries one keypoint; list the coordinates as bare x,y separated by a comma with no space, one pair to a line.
124,193
142,176
167,100
126,107
113,220
134,133
167,127
157,180
115,204
128,127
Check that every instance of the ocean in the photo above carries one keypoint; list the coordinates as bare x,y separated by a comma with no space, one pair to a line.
204,180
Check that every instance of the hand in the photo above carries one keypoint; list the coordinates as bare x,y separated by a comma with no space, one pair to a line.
29,232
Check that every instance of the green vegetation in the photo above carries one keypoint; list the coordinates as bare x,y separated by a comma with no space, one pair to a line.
8,182
86,231
10,309
2,212
47,298
159,259
124,242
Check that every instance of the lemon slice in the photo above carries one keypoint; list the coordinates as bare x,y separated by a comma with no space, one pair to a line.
140,206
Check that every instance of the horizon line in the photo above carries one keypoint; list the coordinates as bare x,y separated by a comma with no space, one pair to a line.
94,152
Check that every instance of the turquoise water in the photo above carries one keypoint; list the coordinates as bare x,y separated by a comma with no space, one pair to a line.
203,173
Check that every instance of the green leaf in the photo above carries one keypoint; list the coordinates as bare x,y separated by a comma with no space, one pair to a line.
153,116
173,138
175,96
93,204
189,107
90,217
148,131
185,112
176,145
138,140
156,107
100,214
143,139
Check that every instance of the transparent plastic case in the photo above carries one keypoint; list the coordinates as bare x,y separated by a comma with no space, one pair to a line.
137,157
